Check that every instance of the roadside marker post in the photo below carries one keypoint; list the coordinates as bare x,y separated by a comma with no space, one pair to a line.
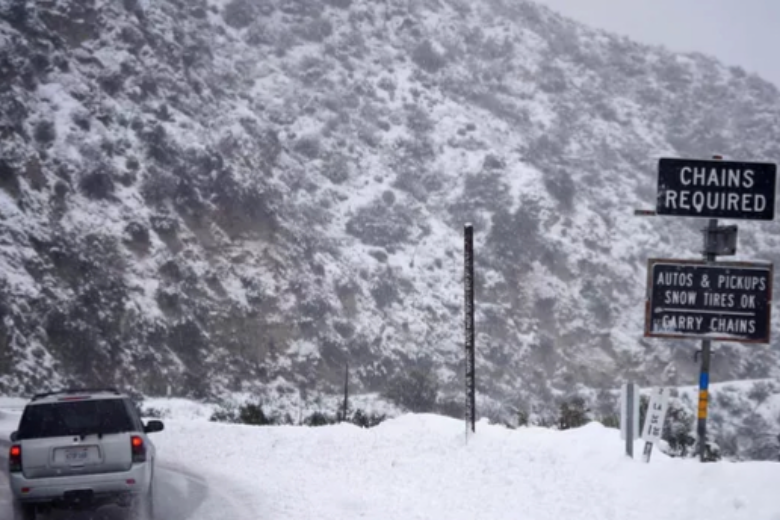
629,416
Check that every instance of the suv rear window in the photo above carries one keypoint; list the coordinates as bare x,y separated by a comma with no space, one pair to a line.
75,418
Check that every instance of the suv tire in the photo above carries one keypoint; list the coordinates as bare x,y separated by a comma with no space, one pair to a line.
24,511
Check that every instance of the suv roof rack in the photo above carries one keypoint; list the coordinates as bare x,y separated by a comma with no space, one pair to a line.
76,391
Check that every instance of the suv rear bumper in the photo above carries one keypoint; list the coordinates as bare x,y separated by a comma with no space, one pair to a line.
96,487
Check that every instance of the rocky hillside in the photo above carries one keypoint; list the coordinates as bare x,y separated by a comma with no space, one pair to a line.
230,195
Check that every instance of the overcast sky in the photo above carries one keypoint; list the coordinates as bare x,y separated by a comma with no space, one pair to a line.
736,32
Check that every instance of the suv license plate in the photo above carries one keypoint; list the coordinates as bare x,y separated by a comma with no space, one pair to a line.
76,455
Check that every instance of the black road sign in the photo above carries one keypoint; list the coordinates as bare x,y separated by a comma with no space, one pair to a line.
716,189
726,301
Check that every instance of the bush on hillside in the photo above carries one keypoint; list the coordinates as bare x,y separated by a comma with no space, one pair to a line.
416,391
451,407
428,58
760,392
320,419
364,420
678,431
253,414
573,413
611,421
249,413
225,414
153,413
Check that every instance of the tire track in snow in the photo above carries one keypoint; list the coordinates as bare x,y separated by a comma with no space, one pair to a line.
227,502
179,495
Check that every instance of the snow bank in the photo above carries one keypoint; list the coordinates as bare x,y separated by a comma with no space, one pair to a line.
419,466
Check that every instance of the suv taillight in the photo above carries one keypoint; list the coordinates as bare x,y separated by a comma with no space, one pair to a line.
139,448
15,459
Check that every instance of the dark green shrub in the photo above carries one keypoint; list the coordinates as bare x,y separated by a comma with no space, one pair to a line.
451,407
426,57
252,413
611,421
677,431
239,13
415,391
573,413
154,413
381,225
249,413
319,419
226,414
364,420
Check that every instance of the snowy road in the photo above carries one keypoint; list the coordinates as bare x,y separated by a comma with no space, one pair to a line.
178,496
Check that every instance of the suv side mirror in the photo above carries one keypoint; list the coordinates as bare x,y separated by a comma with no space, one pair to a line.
154,426
14,436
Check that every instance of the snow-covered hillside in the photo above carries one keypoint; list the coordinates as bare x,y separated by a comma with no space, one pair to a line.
421,467
243,195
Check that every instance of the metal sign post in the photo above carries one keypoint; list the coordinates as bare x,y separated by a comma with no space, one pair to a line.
629,416
710,257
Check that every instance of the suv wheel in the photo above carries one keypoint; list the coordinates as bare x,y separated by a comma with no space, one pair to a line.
24,511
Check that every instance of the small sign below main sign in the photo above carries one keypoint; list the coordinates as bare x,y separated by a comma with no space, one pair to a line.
656,415
716,189
726,301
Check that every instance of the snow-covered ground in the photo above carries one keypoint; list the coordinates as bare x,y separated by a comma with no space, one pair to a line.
421,467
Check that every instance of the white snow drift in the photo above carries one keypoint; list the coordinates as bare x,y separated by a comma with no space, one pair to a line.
421,467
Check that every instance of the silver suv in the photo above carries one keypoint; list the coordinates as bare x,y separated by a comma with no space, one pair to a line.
82,449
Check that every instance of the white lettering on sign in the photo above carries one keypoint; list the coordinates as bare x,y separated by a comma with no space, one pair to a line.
681,323
719,300
748,301
733,325
655,416
680,297
745,283
713,201
675,279
717,177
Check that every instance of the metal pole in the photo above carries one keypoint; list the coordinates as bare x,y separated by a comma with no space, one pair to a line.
469,326
706,352
706,345
630,419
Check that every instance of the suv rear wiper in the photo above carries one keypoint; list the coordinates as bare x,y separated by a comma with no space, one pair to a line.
83,435
100,432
